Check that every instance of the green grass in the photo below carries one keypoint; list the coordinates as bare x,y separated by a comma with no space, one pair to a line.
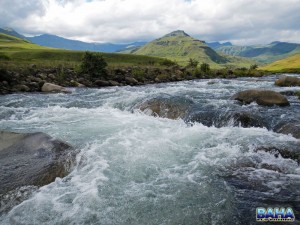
290,64
15,52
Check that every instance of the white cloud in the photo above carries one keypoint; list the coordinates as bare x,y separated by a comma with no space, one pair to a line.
241,21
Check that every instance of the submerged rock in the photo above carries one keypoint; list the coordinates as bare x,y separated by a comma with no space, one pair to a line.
288,153
288,81
261,97
247,119
48,87
33,159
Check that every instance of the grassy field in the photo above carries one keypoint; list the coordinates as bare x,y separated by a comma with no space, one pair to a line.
17,52
290,64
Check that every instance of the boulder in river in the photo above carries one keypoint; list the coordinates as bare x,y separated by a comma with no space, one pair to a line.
248,119
261,97
50,88
33,159
290,128
288,81
171,108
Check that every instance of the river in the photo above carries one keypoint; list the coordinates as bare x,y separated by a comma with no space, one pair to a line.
137,169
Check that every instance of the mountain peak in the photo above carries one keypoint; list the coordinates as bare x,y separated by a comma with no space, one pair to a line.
178,33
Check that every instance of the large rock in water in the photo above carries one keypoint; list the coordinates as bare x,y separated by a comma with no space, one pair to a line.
288,81
34,159
50,88
290,128
171,108
261,97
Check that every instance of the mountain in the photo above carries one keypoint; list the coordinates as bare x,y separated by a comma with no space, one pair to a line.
292,62
59,42
262,53
181,47
12,32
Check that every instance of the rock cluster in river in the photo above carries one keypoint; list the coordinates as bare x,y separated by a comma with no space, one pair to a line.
33,159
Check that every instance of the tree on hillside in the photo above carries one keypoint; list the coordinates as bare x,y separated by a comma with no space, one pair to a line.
205,67
193,63
94,65
253,67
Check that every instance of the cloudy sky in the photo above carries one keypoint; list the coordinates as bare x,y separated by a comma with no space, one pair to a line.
239,21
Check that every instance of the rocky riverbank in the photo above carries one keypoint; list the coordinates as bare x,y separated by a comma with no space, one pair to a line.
32,79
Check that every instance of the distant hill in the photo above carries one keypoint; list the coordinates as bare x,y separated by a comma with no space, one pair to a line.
292,62
180,47
53,41
11,32
262,53
59,42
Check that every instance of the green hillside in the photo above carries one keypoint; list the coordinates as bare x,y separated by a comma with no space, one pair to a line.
19,52
181,47
263,53
290,63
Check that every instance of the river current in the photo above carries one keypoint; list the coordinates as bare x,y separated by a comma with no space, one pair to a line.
133,168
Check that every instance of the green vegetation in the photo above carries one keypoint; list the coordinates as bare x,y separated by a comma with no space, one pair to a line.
94,65
205,68
193,63
290,64
138,74
167,62
180,47
17,53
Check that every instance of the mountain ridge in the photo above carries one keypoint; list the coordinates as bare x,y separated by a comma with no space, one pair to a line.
262,53
55,41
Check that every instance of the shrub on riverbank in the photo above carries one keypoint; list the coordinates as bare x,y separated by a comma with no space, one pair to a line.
94,65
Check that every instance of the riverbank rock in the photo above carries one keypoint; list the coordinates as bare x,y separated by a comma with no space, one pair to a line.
171,108
261,97
288,81
290,128
33,159
53,88
131,81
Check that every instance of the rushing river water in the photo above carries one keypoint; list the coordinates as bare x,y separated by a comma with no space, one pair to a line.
137,169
